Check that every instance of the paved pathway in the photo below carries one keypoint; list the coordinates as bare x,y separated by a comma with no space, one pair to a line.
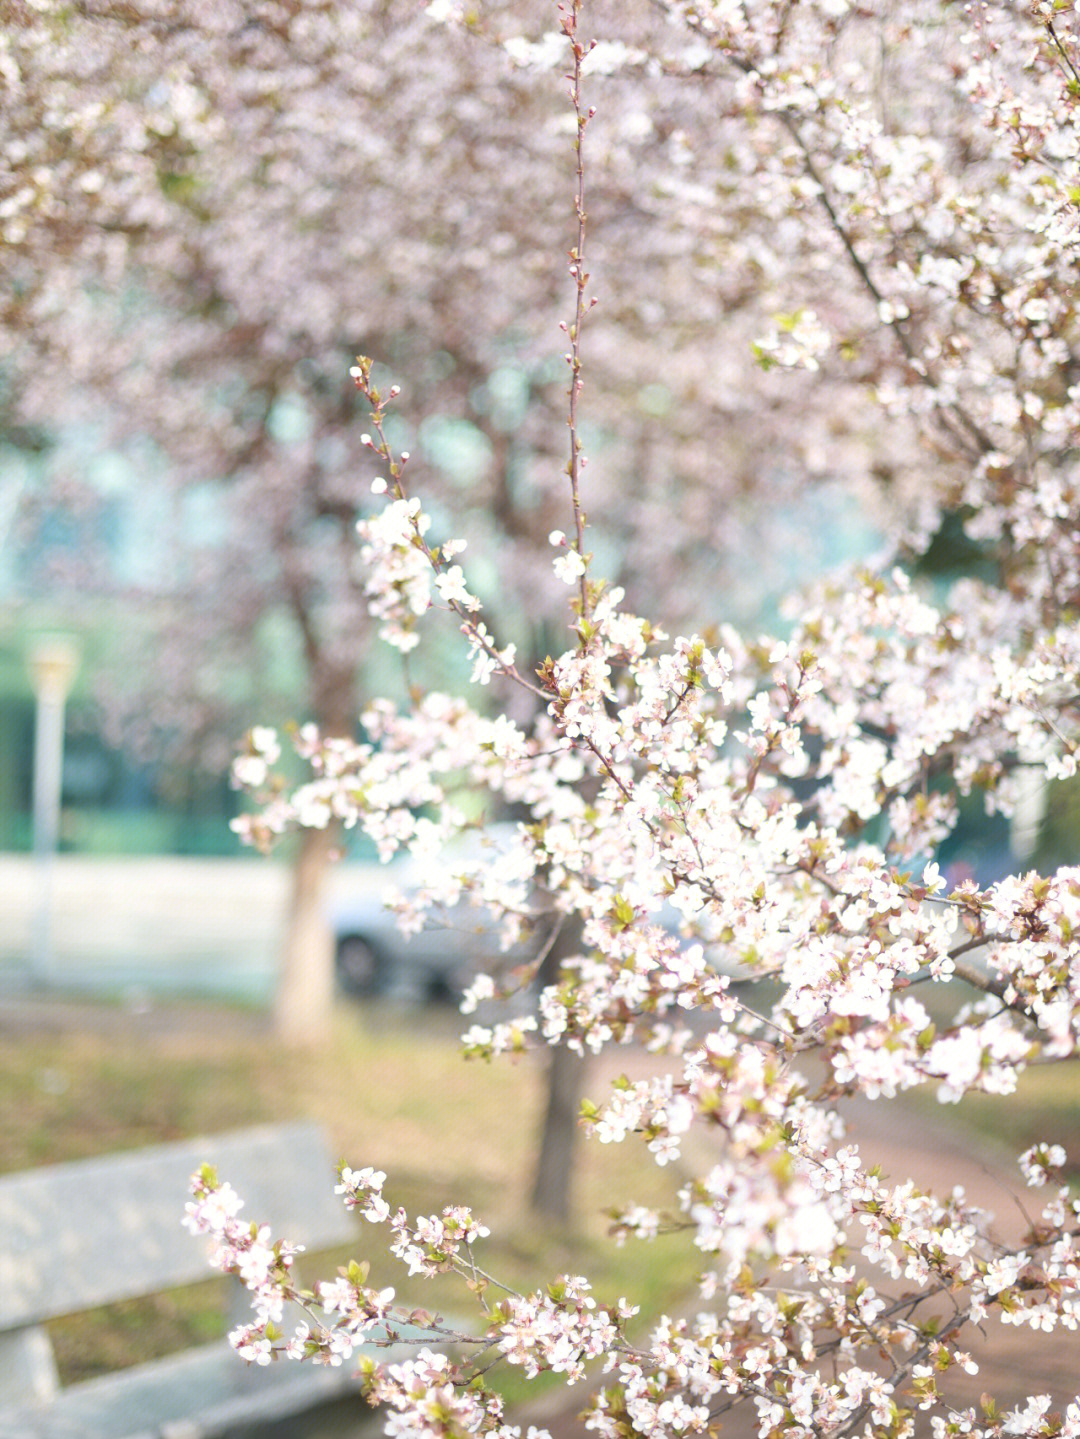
937,1153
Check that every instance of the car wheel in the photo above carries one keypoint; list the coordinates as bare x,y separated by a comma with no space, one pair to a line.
360,968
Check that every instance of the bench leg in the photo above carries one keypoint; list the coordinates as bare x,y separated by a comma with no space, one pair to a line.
27,1367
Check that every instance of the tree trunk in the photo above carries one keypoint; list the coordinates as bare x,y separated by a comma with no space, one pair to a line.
304,999
305,991
553,1179
552,1191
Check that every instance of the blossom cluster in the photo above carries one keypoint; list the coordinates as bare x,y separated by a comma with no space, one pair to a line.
558,1330
663,782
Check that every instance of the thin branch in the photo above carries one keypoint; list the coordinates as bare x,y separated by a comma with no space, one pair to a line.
576,460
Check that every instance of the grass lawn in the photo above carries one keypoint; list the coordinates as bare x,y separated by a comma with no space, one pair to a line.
390,1089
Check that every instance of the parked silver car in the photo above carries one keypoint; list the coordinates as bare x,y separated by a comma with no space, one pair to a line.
374,957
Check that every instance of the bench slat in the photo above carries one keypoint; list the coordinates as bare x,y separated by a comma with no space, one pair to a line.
74,1236
195,1395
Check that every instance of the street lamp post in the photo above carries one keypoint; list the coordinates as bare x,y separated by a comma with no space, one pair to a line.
53,663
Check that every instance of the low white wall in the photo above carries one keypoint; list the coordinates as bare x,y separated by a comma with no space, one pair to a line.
209,926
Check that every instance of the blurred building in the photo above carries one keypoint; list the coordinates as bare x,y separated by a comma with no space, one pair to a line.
86,550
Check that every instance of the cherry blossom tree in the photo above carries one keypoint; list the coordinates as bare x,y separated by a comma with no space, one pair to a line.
206,210
783,796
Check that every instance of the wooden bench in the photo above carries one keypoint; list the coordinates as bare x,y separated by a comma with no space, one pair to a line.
75,1236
